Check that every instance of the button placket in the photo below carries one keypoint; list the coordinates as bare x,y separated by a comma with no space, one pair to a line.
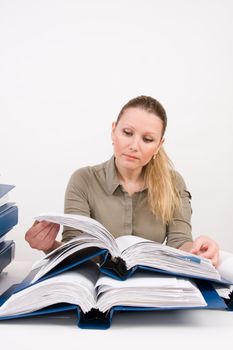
128,224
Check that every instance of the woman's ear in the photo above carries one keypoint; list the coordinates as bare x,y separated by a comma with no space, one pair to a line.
113,126
162,141
160,144
113,131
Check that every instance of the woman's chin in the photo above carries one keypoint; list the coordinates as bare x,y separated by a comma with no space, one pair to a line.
129,164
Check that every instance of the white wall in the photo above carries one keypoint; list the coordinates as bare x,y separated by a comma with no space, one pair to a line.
67,67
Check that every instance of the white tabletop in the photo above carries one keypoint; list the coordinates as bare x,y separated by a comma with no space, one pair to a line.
167,329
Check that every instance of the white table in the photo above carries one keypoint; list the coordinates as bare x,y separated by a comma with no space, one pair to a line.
187,329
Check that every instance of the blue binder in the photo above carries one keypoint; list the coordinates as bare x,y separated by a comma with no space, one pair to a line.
94,319
113,266
6,206
8,218
7,253
116,270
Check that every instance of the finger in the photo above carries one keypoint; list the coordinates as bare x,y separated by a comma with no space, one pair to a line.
214,257
209,253
52,234
36,229
215,261
49,233
45,238
43,222
196,246
202,244
35,223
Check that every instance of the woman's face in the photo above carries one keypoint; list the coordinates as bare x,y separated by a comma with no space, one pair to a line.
136,138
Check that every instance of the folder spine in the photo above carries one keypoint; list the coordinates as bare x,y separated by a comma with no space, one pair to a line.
229,301
114,267
94,319
7,253
8,219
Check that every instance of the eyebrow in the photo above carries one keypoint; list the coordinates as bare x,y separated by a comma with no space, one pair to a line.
146,132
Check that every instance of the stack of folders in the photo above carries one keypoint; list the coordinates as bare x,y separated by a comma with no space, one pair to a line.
131,274
8,219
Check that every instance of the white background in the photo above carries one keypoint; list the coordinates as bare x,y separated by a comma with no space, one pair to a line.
66,69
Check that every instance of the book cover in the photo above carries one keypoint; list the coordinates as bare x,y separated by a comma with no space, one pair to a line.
7,253
8,219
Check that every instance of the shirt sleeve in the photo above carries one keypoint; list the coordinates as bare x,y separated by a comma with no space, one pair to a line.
179,230
76,200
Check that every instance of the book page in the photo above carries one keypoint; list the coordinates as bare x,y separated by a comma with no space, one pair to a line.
225,266
139,279
125,242
148,290
51,260
223,291
74,287
138,251
93,235
85,224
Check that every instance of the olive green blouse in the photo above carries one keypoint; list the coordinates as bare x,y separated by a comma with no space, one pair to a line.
95,191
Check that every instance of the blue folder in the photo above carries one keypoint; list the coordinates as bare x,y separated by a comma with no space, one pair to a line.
7,253
116,270
8,219
95,319
6,206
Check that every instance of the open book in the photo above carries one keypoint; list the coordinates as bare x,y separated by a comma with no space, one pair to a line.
86,287
121,257
94,297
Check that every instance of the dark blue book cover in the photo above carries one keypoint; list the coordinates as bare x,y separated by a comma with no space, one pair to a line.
8,219
6,206
7,253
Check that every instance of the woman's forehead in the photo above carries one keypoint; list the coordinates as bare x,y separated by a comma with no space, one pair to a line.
141,119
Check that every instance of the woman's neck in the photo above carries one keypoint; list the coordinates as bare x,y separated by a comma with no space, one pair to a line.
130,177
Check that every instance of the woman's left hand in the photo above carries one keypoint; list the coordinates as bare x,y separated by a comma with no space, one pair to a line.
207,248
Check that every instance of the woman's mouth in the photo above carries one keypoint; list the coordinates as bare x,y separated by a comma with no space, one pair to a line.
128,156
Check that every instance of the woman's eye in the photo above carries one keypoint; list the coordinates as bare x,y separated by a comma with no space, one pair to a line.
127,132
146,139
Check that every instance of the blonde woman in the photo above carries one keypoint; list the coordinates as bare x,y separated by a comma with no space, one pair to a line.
136,192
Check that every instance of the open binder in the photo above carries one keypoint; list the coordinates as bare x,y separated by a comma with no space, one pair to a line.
119,258
95,319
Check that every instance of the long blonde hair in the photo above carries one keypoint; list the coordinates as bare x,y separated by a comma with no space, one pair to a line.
159,174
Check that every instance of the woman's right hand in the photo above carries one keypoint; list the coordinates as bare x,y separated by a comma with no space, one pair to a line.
42,236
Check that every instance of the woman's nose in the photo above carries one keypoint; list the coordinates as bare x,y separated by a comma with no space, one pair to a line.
134,145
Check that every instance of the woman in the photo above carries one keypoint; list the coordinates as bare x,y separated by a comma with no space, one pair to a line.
135,192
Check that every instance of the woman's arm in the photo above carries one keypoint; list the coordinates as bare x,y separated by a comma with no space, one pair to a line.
77,199
179,230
